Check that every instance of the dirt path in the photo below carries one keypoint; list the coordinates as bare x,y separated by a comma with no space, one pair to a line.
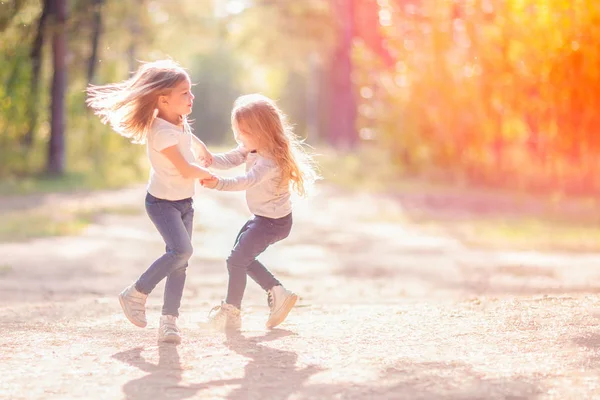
386,312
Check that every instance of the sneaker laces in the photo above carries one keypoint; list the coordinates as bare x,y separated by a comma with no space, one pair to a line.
212,310
218,313
170,330
169,326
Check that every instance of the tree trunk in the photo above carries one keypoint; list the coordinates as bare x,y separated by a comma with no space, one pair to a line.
342,132
135,32
312,98
36,65
56,147
96,33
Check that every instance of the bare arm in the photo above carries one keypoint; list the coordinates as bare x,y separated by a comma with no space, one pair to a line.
185,168
203,151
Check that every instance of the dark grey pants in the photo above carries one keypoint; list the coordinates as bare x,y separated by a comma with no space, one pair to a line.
253,239
174,221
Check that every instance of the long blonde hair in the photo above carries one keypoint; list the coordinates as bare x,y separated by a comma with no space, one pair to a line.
130,107
269,125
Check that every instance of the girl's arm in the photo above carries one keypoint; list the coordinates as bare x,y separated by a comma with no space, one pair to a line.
230,159
185,168
258,173
203,153
166,142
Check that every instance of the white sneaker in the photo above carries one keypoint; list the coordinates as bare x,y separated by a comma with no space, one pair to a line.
168,331
134,305
224,317
281,301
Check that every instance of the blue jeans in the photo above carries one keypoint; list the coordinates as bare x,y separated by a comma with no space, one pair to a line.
254,238
174,221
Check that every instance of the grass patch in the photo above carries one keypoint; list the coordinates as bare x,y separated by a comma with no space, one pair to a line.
371,168
124,210
526,233
5,269
365,169
84,178
19,226
532,234
92,215
25,225
480,217
70,182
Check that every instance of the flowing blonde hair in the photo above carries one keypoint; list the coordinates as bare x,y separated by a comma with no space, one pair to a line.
130,107
269,125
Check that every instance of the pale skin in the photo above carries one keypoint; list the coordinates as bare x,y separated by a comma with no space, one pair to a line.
172,108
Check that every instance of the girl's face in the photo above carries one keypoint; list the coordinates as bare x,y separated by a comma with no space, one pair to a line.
180,100
244,135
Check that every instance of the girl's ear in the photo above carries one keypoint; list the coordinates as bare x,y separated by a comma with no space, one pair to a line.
162,100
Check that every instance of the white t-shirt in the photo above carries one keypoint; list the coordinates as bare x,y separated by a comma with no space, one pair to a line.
165,180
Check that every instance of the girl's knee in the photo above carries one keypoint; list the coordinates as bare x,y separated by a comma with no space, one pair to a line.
179,270
237,261
183,253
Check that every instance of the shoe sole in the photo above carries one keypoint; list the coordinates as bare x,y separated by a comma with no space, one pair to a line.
126,312
233,327
283,312
171,339
209,326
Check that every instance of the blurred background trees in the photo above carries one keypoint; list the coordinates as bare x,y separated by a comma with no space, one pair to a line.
484,92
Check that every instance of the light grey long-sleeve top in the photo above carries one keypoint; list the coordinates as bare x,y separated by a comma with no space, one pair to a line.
265,195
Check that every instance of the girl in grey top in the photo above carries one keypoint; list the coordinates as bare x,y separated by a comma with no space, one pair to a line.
276,164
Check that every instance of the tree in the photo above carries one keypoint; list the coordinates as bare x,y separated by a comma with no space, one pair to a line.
292,51
56,147
36,65
342,127
95,39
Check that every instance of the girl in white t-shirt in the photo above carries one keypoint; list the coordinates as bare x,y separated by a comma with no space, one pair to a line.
152,107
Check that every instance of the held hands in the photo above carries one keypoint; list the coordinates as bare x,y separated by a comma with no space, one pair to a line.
206,159
210,183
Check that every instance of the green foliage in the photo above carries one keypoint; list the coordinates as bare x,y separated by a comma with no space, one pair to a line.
14,95
96,156
284,34
215,75
19,226
482,88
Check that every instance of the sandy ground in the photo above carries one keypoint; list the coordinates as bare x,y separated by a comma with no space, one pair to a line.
387,311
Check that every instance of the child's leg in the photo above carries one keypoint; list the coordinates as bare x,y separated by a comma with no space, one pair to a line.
253,239
280,229
258,272
176,278
167,217
261,275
